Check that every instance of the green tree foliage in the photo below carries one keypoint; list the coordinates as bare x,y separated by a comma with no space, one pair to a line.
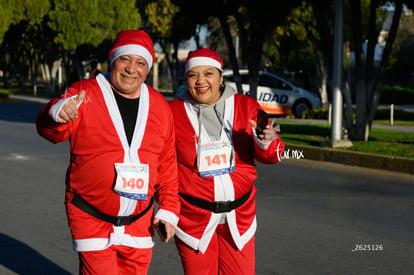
7,16
20,35
256,20
37,33
90,22
401,59
298,32
85,24
160,15
12,12
34,10
170,23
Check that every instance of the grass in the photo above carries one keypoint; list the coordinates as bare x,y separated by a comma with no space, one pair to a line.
384,142
396,122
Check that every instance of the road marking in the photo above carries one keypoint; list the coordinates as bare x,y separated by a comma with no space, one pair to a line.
16,156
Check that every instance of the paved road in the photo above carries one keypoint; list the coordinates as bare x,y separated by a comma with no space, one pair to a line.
311,215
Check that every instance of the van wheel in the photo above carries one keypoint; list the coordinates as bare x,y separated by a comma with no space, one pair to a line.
300,107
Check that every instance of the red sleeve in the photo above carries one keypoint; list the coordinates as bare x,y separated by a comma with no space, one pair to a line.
167,183
272,154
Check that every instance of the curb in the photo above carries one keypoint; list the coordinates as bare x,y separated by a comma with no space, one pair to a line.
382,162
30,98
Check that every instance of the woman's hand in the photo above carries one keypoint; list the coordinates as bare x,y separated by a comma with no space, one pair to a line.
268,133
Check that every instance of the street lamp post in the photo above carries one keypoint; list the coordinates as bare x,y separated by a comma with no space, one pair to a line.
337,101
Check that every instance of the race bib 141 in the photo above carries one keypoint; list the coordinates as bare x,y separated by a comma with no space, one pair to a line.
215,159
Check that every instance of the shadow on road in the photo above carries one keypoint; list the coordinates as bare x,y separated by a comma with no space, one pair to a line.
22,259
19,111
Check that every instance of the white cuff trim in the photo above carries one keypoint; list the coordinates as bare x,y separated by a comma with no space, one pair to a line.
167,216
54,111
263,145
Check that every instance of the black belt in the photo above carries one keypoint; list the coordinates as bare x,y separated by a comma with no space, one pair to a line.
217,206
115,220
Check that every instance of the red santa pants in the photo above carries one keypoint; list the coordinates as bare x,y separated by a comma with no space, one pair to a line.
116,259
221,257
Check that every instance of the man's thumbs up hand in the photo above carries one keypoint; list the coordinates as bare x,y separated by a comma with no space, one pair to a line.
69,110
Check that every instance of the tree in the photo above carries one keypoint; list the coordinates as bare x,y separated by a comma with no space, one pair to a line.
255,22
293,46
253,19
169,25
89,23
364,26
51,32
369,77
228,26
18,44
10,13
400,62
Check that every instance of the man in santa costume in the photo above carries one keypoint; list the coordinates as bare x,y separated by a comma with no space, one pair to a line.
122,146
217,146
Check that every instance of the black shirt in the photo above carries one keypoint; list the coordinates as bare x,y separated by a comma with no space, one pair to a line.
129,111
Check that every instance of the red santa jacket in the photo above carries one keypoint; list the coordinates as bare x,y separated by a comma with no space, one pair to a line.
97,141
196,225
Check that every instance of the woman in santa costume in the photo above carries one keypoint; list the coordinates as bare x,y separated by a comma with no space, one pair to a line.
217,146
122,146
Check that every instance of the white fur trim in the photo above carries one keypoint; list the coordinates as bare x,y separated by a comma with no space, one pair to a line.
200,60
55,110
127,206
132,49
187,238
167,216
57,107
97,244
94,244
262,145
202,244
240,240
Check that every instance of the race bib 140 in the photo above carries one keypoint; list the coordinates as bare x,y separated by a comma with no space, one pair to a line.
132,180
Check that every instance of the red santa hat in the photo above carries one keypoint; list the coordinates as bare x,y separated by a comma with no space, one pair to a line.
133,42
201,57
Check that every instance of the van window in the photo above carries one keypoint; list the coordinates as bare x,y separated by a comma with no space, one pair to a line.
244,78
272,82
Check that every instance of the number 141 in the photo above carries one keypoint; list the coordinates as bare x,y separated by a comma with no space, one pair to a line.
217,159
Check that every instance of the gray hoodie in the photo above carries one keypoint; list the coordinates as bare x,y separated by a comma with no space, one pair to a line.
210,116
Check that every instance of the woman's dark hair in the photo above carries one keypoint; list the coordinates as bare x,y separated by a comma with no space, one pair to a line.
222,86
